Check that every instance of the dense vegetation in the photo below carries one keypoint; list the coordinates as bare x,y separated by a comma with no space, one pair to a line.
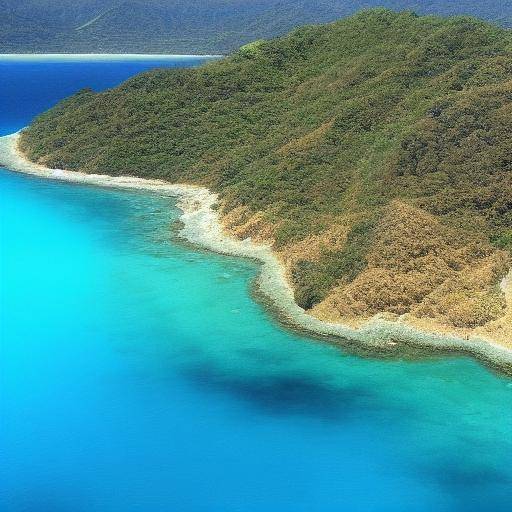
375,153
189,26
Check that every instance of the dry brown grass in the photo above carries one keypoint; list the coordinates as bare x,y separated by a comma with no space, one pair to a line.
500,330
242,224
418,265
312,247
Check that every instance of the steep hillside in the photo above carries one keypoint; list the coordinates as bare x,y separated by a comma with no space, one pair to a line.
188,26
374,153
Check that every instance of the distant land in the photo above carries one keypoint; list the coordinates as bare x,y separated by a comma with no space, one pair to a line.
373,154
189,26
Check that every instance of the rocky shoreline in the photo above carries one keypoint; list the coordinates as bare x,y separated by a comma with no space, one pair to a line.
202,226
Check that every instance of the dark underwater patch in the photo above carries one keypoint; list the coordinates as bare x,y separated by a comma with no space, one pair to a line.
286,394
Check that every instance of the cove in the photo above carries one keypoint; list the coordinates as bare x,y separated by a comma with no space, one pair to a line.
138,374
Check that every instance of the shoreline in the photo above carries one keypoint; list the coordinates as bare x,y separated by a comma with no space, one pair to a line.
202,226
100,57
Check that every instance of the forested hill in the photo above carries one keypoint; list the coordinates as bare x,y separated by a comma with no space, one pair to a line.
374,153
189,26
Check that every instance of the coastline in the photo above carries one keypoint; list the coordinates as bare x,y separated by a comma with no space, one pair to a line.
202,226
99,57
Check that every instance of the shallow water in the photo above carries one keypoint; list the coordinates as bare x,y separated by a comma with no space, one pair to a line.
138,374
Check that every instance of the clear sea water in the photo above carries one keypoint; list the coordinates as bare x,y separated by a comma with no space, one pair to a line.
138,374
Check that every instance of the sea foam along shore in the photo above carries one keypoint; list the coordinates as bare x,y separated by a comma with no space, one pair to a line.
202,226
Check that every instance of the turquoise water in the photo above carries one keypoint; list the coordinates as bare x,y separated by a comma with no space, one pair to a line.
138,374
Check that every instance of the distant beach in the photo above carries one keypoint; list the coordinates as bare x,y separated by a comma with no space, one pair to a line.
96,57
202,226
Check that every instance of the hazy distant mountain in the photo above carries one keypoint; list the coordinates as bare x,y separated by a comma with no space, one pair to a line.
188,26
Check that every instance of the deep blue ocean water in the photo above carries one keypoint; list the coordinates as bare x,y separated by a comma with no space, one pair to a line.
138,374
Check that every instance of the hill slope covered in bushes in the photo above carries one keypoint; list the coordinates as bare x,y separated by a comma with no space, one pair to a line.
374,153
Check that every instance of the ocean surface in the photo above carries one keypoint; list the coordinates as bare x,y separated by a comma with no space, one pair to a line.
138,374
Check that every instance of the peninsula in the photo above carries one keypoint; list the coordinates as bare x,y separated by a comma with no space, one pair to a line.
370,155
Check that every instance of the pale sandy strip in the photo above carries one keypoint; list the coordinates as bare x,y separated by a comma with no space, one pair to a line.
74,57
201,225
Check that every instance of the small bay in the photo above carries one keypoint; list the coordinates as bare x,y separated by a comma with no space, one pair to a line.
139,374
